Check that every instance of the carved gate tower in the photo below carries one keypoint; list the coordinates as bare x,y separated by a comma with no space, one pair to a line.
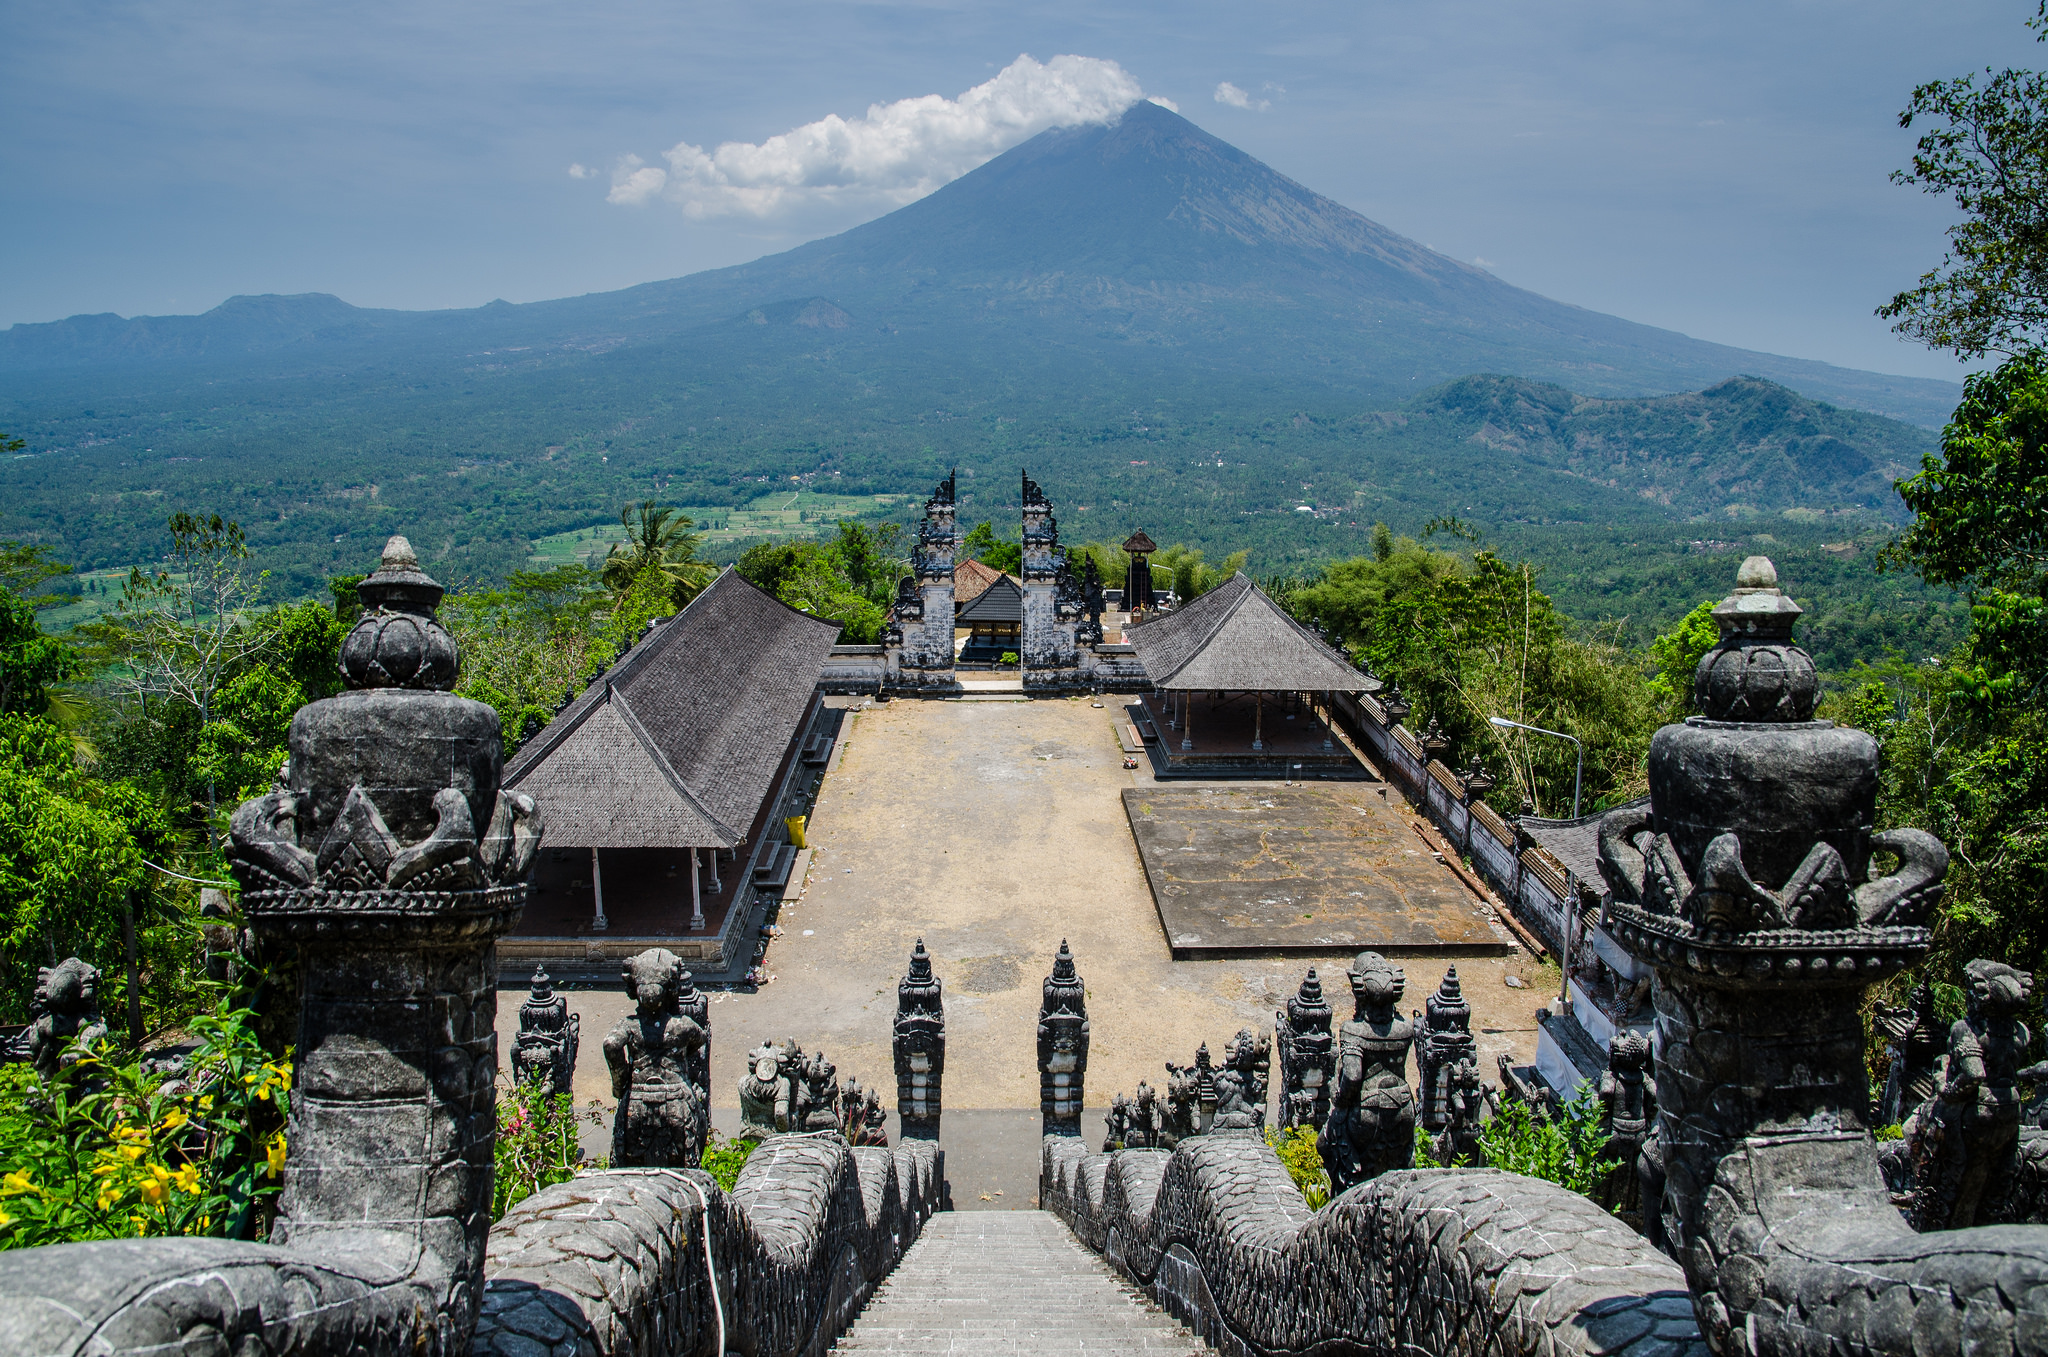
1053,604
924,601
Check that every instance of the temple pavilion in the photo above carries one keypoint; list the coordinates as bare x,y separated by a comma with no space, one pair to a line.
663,786
1239,691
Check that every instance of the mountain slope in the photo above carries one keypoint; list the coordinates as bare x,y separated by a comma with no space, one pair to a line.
1146,250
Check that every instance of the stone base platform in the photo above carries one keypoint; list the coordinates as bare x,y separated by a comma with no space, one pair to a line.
1299,870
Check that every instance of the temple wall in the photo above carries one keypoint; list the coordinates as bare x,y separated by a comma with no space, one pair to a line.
1438,1261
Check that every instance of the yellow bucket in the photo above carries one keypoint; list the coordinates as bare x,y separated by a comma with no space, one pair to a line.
796,830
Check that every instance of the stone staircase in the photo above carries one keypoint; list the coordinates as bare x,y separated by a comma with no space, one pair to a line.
1009,1282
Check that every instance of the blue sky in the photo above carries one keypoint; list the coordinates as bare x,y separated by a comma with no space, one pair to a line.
1718,168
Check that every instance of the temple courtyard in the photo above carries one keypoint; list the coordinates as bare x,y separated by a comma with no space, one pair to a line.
994,829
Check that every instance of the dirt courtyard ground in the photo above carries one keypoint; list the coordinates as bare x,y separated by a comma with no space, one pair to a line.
993,830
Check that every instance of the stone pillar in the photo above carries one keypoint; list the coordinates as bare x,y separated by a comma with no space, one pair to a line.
390,859
1747,884
1307,1055
1062,1047
696,896
920,1048
598,923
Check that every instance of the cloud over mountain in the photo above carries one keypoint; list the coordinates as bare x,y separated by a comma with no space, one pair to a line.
894,154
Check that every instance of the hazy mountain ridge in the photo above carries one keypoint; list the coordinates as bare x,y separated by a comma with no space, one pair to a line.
1744,445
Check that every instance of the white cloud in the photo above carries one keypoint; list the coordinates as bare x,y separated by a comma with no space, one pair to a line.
635,182
894,154
1163,102
1227,93
582,172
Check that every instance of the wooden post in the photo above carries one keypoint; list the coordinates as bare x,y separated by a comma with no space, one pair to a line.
598,924
134,985
1258,720
1187,720
696,897
716,888
1329,715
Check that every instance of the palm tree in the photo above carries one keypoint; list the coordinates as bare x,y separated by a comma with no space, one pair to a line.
657,538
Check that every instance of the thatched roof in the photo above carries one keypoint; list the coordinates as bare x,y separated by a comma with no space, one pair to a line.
1236,639
679,742
971,579
1002,601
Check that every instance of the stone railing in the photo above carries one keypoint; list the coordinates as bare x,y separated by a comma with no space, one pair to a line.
615,1262
1442,1261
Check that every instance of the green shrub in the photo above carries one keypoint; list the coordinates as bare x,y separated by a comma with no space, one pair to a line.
1007,657
107,1151
1564,1149
537,1145
1895,1131
1296,1146
724,1158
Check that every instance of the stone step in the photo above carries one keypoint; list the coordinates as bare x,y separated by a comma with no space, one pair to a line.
1010,1282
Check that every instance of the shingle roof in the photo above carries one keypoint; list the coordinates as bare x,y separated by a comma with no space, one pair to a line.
1575,843
1236,639
971,578
677,744
1002,601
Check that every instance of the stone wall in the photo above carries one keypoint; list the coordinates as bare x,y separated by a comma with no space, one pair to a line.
1438,1261
614,1262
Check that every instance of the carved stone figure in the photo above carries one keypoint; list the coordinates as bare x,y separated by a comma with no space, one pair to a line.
1629,1106
1148,1120
1467,1103
1307,1055
818,1094
874,1122
1444,1041
654,1056
768,1091
1961,1141
919,1048
1117,1125
1181,1118
1915,1052
1241,1084
548,1037
64,1016
1371,1127
1062,1046
852,1109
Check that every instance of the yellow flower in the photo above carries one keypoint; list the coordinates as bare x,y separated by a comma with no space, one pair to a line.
275,1154
152,1191
15,1183
206,1222
175,1118
131,1153
206,1102
187,1179
107,1196
5,1220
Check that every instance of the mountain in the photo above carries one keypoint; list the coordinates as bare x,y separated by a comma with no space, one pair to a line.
1144,251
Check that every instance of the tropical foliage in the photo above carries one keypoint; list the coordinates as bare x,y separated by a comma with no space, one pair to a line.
537,1142
108,1150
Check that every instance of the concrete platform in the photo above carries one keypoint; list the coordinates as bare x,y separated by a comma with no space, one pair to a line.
1299,870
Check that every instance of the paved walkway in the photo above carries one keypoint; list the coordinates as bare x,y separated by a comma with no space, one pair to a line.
1017,1283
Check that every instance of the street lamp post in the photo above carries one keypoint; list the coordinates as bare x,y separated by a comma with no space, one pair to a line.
1578,778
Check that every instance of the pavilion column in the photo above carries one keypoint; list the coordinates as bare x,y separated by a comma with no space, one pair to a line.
716,887
1258,721
598,923
1187,720
1329,715
696,896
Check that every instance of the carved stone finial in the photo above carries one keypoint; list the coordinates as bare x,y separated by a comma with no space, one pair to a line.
548,1037
919,1048
1062,1046
398,642
1756,672
1445,1041
1307,1055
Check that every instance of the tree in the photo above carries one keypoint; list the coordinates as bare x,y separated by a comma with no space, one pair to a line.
1987,149
658,538
982,544
180,632
30,662
1677,654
